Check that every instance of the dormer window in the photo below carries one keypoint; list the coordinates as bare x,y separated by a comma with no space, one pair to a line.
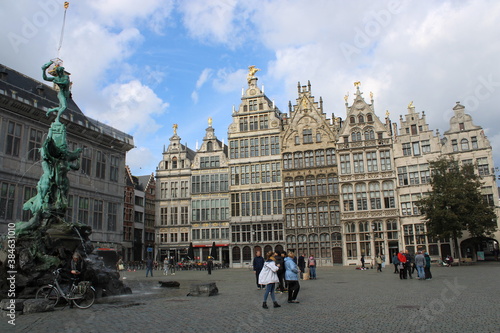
210,146
361,119
174,163
352,120
369,117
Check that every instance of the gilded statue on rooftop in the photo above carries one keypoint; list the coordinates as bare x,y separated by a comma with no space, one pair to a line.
251,72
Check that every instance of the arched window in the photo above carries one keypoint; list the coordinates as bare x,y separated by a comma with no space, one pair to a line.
369,134
299,186
247,253
465,144
174,163
310,186
375,202
369,117
321,185
290,216
289,193
352,120
210,146
334,213
236,254
312,212
323,214
361,199
287,161
361,119
388,189
356,136
337,237
301,215
267,248
298,160
309,159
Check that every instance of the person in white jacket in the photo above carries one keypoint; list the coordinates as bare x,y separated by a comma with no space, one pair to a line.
269,277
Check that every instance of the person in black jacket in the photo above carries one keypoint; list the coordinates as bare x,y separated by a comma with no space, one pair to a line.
302,265
281,271
258,264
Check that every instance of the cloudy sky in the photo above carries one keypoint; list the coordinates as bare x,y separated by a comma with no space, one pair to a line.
142,66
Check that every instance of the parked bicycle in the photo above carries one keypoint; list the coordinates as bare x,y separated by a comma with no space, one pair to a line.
82,294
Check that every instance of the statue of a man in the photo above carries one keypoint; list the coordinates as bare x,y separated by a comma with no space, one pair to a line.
62,81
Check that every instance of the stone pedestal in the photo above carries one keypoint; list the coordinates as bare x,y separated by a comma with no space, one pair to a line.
203,289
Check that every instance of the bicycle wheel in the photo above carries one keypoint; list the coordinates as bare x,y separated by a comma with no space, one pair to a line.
87,299
50,293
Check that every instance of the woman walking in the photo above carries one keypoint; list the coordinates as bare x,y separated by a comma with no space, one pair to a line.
292,277
269,277
427,267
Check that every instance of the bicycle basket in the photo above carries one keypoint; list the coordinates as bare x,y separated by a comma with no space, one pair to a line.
83,286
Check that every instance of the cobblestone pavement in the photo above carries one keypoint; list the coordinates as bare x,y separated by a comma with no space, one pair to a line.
342,299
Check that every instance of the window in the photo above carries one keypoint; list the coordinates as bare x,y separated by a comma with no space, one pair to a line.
414,130
34,145
348,198
361,198
413,175
345,164
13,142
321,185
299,186
263,122
369,134
100,170
113,168
388,188
83,210
86,166
264,147
318,137
406,149
426,146
474,142
464,144
112,216
253,123
173,216
358,162
7,195
454,145
174,163
307,136
425,174
275,145
301,215
298,160
252,105
361,119
487,193
310,186
371,161
385,160
416,148
297,140
210,146
402,176
352,120
330,157
243,123
483,166
333,184
334,213
287,161
355,136
233,149
375,202
308,159
97,215
369,117
320,158
461,126
405,204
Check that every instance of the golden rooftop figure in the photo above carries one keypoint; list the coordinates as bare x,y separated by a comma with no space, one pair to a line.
251,72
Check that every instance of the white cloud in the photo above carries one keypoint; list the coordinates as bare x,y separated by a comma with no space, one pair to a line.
131,107
204,76
227,80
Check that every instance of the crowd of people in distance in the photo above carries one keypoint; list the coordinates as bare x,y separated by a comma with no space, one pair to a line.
169,266
284,270
405,264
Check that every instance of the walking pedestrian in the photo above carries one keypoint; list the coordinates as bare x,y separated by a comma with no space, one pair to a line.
149,267
379,261
258,263
311,264
420,263
427,269
362,261
268,276
292,277
395,261
165,266
402,265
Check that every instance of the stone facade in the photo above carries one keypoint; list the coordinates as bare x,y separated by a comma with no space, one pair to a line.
96,190
336,189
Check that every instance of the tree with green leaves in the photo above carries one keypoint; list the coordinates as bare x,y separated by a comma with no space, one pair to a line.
455,203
